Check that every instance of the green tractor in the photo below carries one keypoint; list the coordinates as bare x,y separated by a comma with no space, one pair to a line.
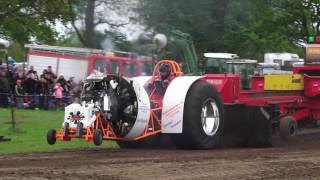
179,46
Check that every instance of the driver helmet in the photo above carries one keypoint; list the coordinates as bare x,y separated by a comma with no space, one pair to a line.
164,71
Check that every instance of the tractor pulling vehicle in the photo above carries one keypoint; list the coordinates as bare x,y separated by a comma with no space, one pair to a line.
196,111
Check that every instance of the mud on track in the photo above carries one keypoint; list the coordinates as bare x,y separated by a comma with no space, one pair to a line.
300,160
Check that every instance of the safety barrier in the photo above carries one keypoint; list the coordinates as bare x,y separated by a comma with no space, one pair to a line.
33,101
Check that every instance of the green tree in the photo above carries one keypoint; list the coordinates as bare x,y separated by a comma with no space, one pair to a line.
24,20
110,15
247,27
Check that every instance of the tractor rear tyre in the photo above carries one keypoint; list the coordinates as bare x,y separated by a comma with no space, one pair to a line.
288,128
51,137
203,118
97,137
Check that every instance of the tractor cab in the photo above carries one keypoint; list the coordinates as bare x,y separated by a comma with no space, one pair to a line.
227,63
215,63
245,68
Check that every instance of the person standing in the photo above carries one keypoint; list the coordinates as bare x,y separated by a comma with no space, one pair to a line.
30,89
18,90
43,91
4,88
58,93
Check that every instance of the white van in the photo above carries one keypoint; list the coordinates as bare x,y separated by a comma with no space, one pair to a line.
285,60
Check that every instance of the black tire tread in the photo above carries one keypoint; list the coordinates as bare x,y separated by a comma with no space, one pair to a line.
51,139
97,137
193,136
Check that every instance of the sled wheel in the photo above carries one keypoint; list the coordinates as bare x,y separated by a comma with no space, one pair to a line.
51,136
288,128
97,137
203,118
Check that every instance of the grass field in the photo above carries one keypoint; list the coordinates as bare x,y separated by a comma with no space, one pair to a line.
31,129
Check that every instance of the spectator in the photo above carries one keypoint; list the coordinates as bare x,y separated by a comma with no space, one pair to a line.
19,70
18,90
36,77
50,73
73,90
10,73
43,91
44,72
11,61
4,88
20,76
58,93
12,65
50,83
63,82
31,70
30,89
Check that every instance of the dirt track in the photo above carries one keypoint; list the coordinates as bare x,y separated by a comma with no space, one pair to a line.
299,161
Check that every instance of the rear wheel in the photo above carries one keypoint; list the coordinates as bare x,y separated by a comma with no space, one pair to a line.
97,137
51,136
203,118
288,128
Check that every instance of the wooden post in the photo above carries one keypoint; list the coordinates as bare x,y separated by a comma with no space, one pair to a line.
13,116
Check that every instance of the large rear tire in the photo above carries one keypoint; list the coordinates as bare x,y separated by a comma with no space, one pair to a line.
203,118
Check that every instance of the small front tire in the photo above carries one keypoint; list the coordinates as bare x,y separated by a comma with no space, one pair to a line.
97,137
51,137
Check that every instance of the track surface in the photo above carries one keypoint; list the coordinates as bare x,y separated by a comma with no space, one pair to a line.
300,160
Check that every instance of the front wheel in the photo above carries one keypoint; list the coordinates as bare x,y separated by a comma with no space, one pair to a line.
203,118
51,137
97,137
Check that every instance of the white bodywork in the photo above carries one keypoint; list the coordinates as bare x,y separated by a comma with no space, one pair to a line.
143,108
85,113
173,104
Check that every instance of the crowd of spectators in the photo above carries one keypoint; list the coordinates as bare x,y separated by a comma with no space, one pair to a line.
25,88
